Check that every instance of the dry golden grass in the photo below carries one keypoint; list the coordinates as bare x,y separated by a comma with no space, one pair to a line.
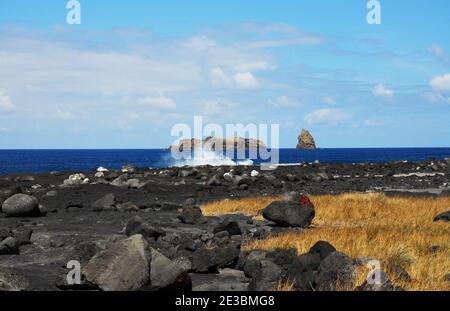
284,286
398,231
247,206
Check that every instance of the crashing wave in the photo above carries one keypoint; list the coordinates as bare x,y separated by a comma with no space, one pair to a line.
203,157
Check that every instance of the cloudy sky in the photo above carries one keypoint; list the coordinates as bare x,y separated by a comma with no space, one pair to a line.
133,69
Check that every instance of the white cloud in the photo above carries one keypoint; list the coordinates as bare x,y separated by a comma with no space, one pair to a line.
439,53
219,78
306,40
245,80
381,91
161,102
285,36
64,115
436,50
441,83
218,109
6,103
56,65
434,97
199,43
328,116
283,102
254,66
329,100
373,123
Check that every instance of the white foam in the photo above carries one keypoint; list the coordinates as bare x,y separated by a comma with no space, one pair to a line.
202,157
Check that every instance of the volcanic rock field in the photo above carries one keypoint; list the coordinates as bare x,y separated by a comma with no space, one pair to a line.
143,229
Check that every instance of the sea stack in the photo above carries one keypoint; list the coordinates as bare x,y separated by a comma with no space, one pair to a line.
306,141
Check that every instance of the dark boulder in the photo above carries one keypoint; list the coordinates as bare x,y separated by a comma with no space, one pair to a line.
21,205
251,264
302,271
105,203
267,277
445,217
290,213
138,226
232,227
22,235
9,246
124,266
166,274
322,249
283,257
336,271
192,216
209,260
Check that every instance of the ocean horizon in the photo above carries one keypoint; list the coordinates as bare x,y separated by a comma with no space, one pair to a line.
15,161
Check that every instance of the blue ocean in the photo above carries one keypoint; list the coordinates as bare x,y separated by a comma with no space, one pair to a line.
39,161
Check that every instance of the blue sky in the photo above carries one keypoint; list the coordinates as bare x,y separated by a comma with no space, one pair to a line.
133,69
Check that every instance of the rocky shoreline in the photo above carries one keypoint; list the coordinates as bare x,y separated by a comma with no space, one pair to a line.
149,219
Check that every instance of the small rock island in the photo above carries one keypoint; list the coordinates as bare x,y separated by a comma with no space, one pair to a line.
214,143
306,141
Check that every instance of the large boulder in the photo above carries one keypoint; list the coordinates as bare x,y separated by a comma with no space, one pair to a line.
210,260
22,235
232,227
336,271
225,281
138,226
166,274
21,205
192,215
120,181
11,281
302,271
105,203
322,249
252,261
290,213
9,246
124,266
267,277
443,217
